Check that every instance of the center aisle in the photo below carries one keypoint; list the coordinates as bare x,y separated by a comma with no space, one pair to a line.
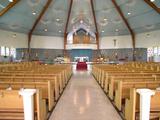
83,99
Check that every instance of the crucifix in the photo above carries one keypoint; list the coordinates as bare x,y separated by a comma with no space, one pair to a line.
115,42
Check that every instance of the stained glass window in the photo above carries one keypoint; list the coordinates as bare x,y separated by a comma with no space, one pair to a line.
13,52
150,52
155,51
7,51
159,50
3,51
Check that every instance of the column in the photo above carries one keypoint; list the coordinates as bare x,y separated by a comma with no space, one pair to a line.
28,103
145,99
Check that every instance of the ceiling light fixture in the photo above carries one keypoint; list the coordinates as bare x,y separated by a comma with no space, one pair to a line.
57,19
34,13
10,0
129,13
103,22
102,31
152,0
60,31
45,29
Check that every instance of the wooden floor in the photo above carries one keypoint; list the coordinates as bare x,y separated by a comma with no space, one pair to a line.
83,99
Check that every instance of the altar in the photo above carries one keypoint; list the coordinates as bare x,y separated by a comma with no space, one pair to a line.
81,62
81,66
89,66
81,59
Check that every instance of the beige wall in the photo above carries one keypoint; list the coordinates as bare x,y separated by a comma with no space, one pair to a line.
122,42
7,39
20,41
142,41
47,42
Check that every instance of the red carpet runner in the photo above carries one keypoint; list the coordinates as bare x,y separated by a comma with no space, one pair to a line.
81,66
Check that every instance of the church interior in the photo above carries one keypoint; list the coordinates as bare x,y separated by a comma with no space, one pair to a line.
79,59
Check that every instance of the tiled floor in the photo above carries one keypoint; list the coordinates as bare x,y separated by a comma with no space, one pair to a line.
83,99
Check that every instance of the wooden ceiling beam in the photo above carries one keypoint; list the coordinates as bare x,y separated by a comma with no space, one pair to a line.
37,21
151,4
8,7
127,24
66,26
41,15
95,22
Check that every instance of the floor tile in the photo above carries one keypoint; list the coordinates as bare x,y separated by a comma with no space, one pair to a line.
83,99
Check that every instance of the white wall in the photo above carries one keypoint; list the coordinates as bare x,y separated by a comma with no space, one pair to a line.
7,39
21,41
142,40
47,42
122,42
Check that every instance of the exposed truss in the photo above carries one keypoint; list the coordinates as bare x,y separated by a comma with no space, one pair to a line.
66,27
36,22
151,4
8,7
95,22
127,24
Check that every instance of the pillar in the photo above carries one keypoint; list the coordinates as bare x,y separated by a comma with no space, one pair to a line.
145,99
28,103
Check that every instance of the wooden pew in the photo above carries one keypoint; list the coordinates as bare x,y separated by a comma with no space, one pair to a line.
60,74
123,87
46,87
51,79
139,75
128,79
132,106
109,76
54,82
11,105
